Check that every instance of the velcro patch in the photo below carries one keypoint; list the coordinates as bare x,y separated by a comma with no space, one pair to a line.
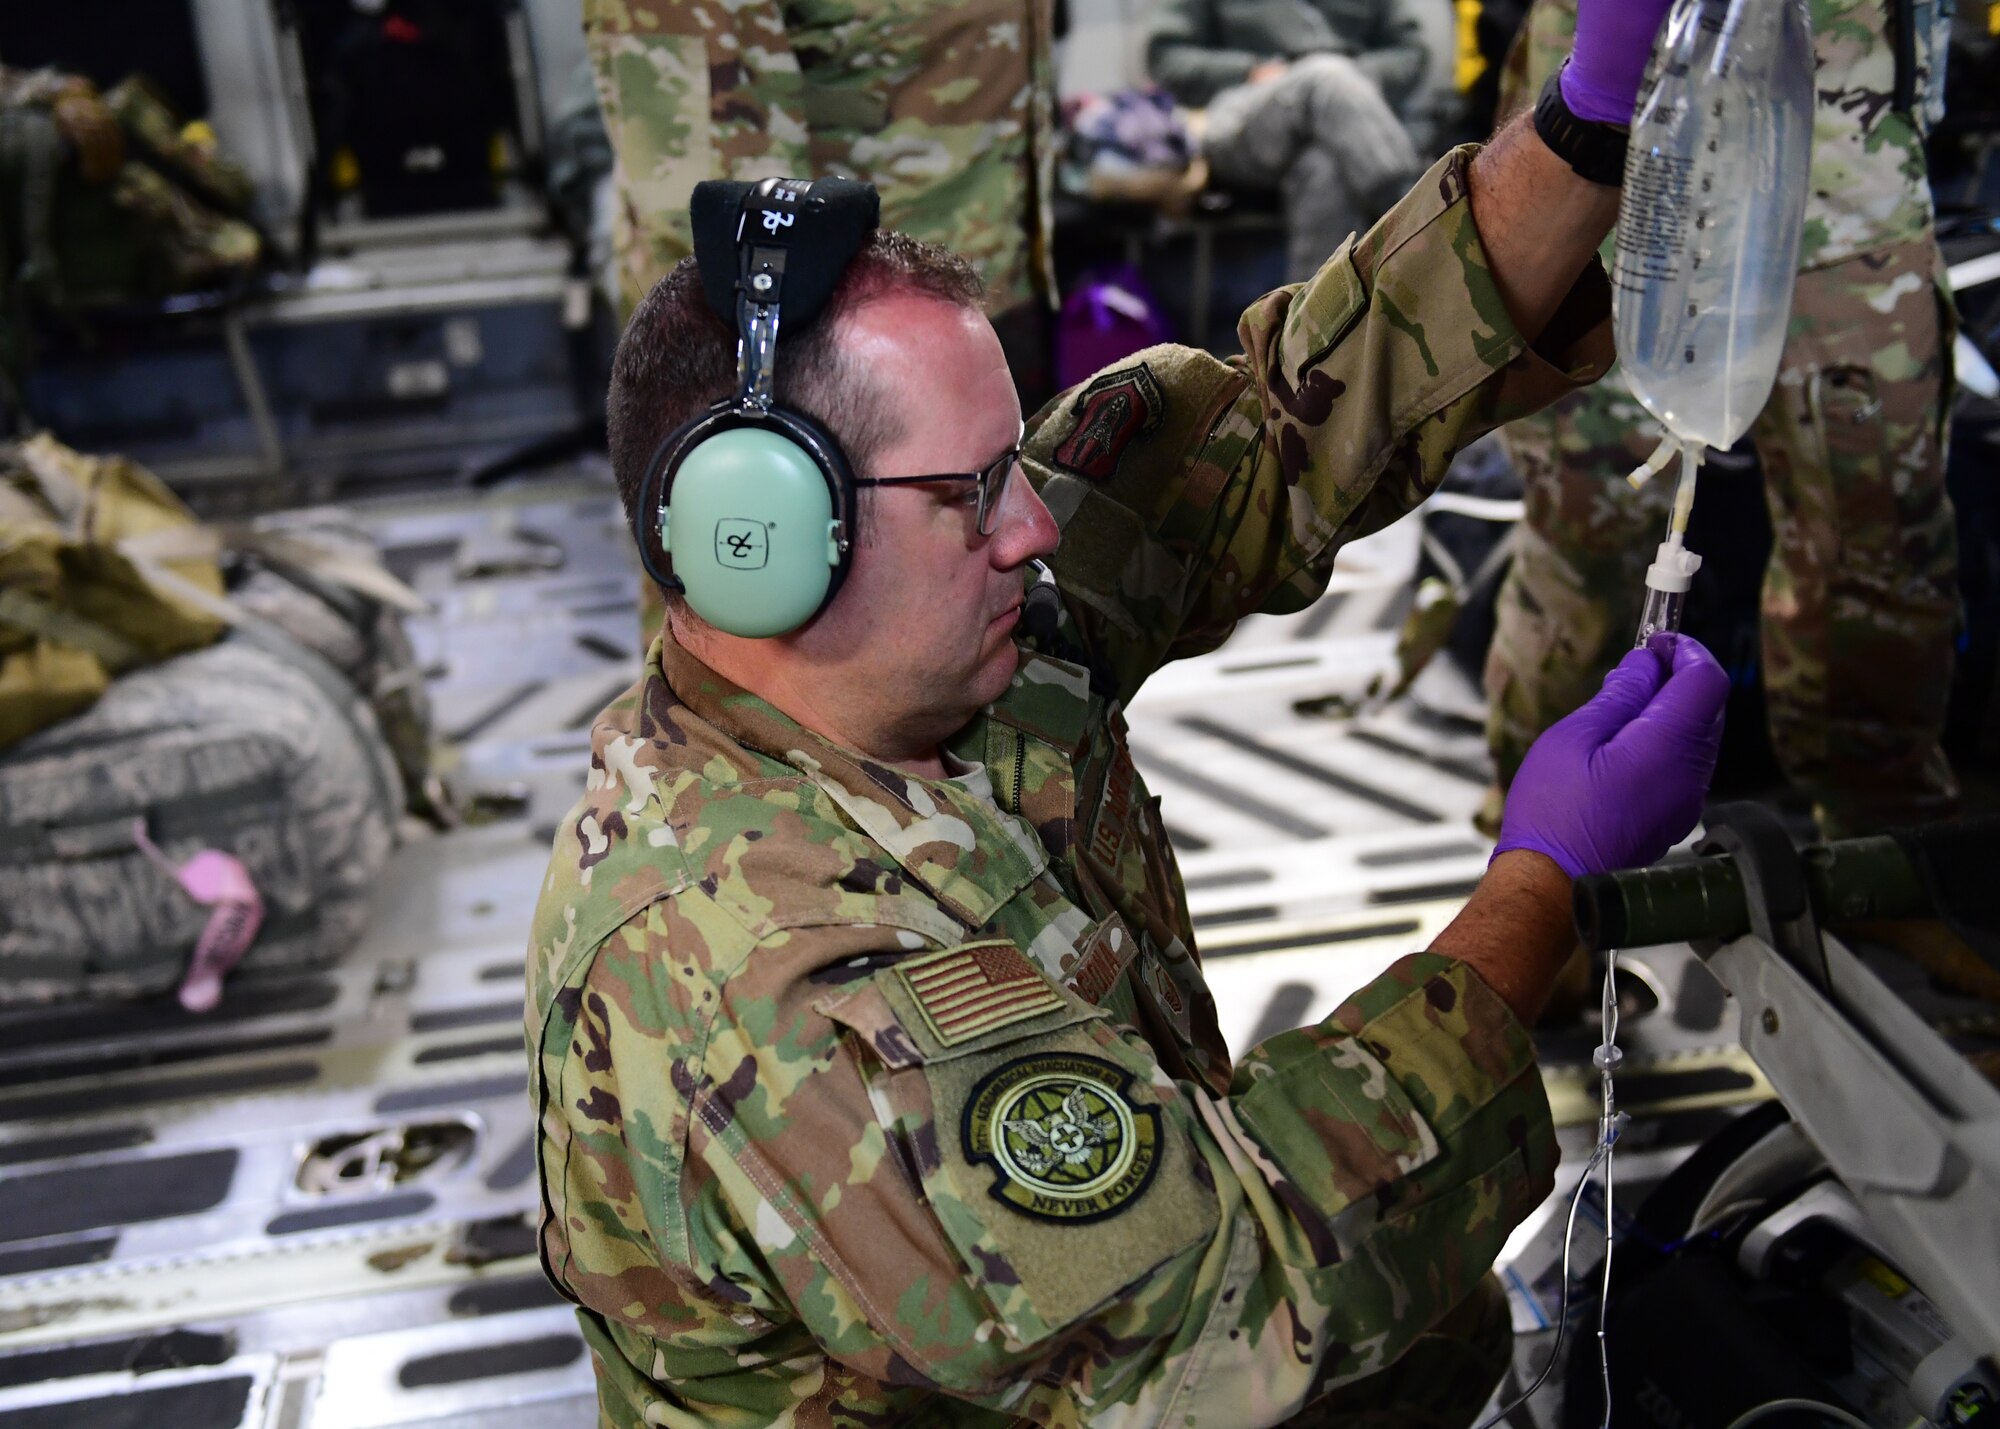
1111,413
1063,1140
968,991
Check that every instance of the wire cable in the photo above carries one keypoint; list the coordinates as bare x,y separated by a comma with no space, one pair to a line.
1562,1309
1815,1406
1610,1121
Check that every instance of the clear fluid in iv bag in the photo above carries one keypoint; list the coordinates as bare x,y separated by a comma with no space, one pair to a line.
1712,212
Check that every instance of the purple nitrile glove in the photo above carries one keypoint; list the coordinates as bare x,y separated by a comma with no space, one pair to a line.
1620,781
1614,39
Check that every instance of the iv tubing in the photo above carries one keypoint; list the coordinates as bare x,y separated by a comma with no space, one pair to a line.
1674,565
1653,465
1684,491
1610,1122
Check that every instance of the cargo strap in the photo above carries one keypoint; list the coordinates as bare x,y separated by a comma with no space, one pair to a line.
191,816
387,782
334,569
65,627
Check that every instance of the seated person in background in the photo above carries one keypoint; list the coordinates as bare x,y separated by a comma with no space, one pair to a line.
1301,96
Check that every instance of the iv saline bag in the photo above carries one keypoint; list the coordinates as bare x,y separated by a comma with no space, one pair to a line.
1712,212
1709,224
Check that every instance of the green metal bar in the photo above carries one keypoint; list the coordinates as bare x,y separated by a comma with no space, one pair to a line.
1703,898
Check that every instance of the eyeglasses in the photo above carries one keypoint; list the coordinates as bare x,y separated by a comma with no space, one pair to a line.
992,479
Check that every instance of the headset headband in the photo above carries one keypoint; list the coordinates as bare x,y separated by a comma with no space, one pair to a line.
775,249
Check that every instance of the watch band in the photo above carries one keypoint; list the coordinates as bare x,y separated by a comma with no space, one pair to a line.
1594,150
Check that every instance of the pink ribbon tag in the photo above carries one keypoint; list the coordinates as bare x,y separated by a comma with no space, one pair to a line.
220,883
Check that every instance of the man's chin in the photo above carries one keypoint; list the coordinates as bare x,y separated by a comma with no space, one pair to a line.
990,681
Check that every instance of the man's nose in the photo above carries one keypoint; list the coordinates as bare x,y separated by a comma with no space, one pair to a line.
1026,528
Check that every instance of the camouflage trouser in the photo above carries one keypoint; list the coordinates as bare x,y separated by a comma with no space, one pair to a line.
1324,137
1860,601
1442,1382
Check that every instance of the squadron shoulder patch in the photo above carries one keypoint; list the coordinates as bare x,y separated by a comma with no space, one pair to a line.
1062,1139
968,991
1111,413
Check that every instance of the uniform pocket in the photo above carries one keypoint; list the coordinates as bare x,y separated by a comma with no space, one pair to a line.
1847,413
1419,1265
1342,1129
1320,315
1035,1143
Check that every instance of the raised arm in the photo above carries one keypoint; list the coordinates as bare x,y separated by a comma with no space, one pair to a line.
1540,220
1192,492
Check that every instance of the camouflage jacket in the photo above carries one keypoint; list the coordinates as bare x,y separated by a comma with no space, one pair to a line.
1869,184
867,1100
947,108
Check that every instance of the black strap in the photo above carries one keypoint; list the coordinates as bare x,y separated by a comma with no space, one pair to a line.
1595,151
1903,21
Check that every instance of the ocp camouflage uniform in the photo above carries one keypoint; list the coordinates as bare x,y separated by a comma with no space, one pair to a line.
945,107
874,1099
1859,602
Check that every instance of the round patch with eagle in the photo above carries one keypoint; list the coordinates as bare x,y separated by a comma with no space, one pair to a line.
1063,1140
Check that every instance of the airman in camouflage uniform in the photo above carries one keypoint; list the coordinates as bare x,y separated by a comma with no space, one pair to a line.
1860,598
946,108
870,1098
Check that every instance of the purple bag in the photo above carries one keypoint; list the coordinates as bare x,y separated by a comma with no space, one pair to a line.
1108,316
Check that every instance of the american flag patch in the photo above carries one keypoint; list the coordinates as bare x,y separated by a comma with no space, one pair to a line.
966,991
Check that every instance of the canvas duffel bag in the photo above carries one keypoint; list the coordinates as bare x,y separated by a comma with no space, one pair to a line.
254,747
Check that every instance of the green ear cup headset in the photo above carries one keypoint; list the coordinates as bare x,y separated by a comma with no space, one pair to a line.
753,503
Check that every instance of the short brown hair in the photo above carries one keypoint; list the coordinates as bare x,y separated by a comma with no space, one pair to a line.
677,358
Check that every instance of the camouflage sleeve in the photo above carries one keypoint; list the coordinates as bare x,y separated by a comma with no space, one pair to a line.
691,90
1398,58
1192,492
1184,57
950,1176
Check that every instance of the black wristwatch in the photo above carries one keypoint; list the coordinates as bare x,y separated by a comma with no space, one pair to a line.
1594,150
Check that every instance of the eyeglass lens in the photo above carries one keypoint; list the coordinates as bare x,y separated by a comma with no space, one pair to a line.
992,486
